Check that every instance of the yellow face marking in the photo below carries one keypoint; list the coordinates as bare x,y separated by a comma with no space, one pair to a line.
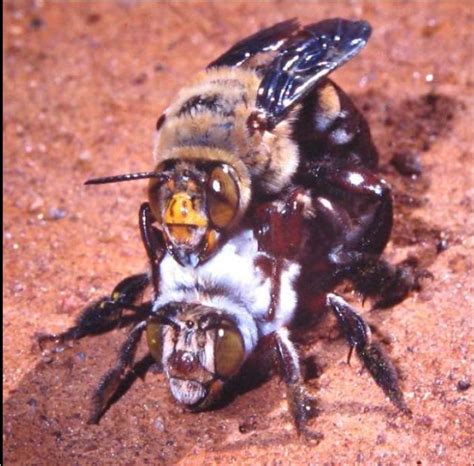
181,233
181,211
184,222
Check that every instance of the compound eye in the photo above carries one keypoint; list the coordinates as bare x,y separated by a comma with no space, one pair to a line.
154,337
229,351
223,196
155,195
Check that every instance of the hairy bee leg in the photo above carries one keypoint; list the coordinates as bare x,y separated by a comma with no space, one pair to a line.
358,260
279,233
104,314
371,232
333,216
357,334
387,284
112,379
301,404
268,234
153,242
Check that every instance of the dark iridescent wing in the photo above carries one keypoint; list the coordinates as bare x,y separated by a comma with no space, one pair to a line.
303,61
263,41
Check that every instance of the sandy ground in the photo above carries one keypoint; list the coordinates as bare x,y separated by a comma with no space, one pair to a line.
84,84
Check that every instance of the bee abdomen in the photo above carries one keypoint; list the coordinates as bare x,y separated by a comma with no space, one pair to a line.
330,125
334,115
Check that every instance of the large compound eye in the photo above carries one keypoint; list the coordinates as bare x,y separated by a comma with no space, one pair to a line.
154,337
223,196
156,188
229,351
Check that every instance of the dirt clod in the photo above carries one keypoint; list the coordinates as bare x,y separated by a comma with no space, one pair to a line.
463,385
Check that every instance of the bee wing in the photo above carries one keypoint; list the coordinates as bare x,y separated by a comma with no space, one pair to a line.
304,60
267,40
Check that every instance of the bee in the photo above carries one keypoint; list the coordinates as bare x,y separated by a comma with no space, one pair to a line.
264,198
260,118
210,320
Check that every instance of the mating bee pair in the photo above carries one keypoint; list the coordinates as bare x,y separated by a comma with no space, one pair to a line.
264,197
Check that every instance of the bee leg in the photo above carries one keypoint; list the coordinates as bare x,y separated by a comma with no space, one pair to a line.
113,378
373,277
279,233
361,241
268,233
301,404
387,284
357,334
153,242
105,313
367,199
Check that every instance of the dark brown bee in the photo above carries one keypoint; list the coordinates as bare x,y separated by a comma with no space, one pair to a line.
263,199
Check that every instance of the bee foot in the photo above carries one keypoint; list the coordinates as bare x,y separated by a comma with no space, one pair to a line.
50,342
311,436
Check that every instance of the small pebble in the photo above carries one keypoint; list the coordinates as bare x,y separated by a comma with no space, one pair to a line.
159,425
32,402
20,130
463,385
18,287
442,245
425,421
47,357
93,18
243,429
36,23
16,30
56,213
140,79
36,204
407,163
85,156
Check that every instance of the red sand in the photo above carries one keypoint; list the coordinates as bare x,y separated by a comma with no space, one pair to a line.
84,84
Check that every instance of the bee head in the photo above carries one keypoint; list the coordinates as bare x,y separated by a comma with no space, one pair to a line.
200,348
196,206
197,195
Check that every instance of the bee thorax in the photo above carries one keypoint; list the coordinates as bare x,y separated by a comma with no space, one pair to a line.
213,112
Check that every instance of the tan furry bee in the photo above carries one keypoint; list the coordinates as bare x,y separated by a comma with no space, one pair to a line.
264,197
239,132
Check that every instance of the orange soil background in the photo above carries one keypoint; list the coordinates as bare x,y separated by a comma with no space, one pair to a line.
84,84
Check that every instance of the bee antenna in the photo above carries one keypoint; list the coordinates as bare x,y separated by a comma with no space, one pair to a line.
128,177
